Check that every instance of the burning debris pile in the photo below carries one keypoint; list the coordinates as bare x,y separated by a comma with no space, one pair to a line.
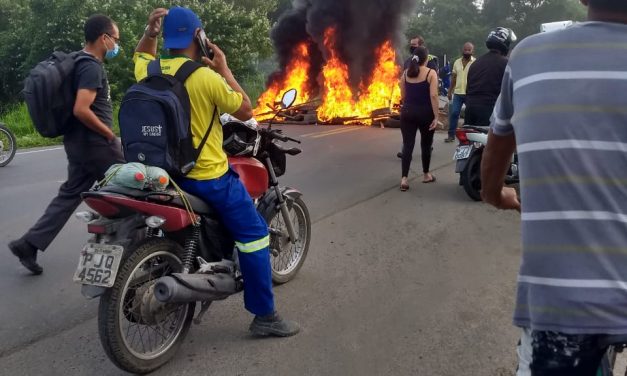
340,56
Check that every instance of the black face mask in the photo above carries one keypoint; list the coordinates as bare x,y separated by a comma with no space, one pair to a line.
467,56
412,50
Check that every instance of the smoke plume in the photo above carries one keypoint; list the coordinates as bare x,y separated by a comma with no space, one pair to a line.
361,26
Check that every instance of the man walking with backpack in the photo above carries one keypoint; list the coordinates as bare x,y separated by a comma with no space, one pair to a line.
90,144
211,178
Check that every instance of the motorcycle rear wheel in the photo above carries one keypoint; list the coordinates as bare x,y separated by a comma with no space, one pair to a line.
8,145
471,177
287,258
124,317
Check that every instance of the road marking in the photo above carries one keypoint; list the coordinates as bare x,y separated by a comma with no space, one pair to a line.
338,131
38,151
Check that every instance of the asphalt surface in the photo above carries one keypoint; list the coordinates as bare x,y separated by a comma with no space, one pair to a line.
414,283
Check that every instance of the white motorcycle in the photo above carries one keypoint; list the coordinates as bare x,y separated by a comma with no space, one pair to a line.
472,141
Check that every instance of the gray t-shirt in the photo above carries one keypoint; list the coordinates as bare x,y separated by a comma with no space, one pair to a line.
563,96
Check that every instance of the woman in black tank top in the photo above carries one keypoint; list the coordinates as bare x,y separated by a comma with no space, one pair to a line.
419,89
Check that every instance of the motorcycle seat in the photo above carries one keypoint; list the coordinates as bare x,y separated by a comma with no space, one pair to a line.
169,197
478,128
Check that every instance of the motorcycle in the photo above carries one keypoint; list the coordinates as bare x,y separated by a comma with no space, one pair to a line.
8,145
155,255
468,154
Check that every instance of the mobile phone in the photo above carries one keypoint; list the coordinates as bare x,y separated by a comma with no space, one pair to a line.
202,42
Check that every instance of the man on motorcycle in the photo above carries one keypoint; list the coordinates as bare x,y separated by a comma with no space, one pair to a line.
485,77
212,179
559,109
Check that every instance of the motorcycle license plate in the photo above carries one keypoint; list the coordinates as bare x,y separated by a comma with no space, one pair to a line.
98,264
462,152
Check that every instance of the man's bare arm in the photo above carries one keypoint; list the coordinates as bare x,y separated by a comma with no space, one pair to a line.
148,42
495,162
82,111
220,66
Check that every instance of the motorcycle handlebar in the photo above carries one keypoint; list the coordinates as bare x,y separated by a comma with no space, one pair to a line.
278,135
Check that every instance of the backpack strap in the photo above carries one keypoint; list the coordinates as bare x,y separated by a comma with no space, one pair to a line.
154,67
186,70
206,137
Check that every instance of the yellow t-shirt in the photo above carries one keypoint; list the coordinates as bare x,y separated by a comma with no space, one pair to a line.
206,90
461,82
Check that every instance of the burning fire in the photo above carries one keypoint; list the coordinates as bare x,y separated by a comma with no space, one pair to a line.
338,100
296,78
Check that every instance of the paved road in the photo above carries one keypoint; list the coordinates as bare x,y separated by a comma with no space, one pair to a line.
415,283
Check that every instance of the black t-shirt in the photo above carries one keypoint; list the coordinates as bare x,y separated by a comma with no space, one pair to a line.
485,78
90,74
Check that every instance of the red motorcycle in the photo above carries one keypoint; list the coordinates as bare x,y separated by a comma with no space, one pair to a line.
154,255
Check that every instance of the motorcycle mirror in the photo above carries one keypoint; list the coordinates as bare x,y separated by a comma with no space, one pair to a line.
289,98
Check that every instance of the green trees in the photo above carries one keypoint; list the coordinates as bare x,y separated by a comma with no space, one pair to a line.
31,29
447,24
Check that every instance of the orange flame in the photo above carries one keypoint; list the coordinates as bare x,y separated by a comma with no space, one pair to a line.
339,101
296,77
381,92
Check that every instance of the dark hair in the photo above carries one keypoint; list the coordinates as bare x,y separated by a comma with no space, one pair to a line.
422,53
609,5
97,25
421,40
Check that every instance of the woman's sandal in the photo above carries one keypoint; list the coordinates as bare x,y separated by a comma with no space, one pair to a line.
404,187
429,181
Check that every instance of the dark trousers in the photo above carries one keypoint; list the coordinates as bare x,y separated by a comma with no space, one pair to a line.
413,120
478,115
558,354
87,163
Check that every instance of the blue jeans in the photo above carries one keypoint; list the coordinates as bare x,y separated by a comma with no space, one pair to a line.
228,196
454,110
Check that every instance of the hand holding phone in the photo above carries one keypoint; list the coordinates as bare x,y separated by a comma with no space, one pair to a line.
204,47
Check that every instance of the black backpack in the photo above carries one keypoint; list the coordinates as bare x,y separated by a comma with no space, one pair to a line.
155,121
49,93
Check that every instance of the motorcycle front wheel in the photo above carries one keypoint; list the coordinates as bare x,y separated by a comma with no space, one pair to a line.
286,257
8,145
139,333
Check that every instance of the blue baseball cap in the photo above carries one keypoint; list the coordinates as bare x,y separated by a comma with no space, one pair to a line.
179,27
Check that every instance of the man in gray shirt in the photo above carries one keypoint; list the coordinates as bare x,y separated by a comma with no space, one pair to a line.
562,108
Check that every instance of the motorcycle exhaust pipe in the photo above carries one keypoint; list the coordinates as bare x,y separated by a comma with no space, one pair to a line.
189,288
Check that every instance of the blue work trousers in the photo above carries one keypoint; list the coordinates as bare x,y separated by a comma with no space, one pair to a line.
228,196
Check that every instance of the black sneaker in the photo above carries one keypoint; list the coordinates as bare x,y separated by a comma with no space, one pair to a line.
448,140
27,254
273,325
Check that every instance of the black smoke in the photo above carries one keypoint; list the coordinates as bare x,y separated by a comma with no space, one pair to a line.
362,26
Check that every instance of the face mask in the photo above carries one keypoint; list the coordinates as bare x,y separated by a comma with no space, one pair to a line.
114,52
467,56
412,49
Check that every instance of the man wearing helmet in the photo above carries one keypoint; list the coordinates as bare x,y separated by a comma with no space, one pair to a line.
485,77
211,178
560,111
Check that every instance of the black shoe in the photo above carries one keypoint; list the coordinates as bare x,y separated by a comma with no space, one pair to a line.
449,139
27,254
273,325
400,155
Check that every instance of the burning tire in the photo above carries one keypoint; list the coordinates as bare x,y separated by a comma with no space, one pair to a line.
393,122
